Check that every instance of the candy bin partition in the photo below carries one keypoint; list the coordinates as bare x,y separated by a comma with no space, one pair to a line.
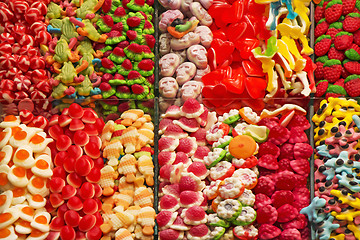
190,151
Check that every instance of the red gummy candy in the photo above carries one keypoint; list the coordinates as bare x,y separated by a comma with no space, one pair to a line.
297,135
282,197
299,121
268,148
188,183
72,218
261,200
67,233
279,135
266,215
265,185
300,222
300,166
284,165
286,213
285,180
268,231
268,161
87,222
287,151
302,150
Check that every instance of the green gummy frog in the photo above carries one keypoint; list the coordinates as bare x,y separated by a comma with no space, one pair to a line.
90,31
88,7
68,30
59,91
53,11
62,51
85,87
56,23
68,73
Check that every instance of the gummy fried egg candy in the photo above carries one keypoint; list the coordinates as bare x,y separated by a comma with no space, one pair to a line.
39,142
23,157
10,121
19,195
17,176
6,154
37,185
5,136
37,235
42,167
5,200
4,181
36,201
23,136
8,233
25,212
8,217
41,221
22,227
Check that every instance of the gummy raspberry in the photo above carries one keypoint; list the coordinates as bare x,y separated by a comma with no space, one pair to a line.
266,215
300,180
269,122
118,27
265,185
301,194
268,161
300,222
290,234
286,213
284,165
268,148
302,150
261,200
285,180
297,135
282,197
287,151
266,172
299,121
268,231
279,135
300,166
305,233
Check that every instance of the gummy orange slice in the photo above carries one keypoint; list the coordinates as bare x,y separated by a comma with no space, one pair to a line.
242,146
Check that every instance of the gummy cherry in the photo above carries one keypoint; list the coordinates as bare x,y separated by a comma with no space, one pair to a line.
96,140
80,235
68,191
87,190
55,131
69,165
57,223
82,166
99,219
56,184
99,163
62,210
90,206
81,138
64,120
98,190
56,200
99,124
91,129
74,203
67,233
76,125
76,111
94,234
92,150
75,151
60,158
88,117
94,175
72,218
87,223
74,180
63,143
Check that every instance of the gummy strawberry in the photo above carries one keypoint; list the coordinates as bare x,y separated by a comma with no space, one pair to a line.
301,166
352,85
287,151
302,150
322,45
261,200
269,122
348,6
353,52
305,233
335,91
290,234
321,28
353,67
343,40
282,197
285,180
266,215
299,121
319,71
278,135
319,12
265,185
268,148
332,70
284,165
351,22
336,54
268,231
297,135
300,180
340,82
150,40
356,37
268,161
300,222
286,213
333,11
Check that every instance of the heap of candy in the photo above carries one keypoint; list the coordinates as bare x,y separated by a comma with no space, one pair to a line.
127,207
25,167
184,41
71,56
334,212
74,198
23,40
128,60
182,147
233,173
337,49
285,68
281,191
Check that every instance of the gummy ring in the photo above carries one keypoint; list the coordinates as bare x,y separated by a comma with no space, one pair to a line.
229,209
215,221
211,191
245,233
221,171
247,177
246,217
231,188
242,146
247,163
216,132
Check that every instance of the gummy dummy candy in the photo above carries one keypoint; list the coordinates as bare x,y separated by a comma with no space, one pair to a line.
127,166
112,152
128,139
108,175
